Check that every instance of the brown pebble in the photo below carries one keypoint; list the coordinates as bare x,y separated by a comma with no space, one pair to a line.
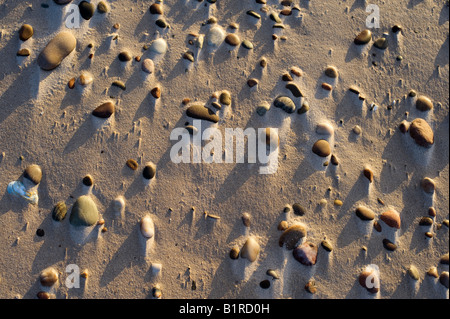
131,163
286,12
363,281
232,39
429,234
377,226
43,295
252,82
331,72
274,37
296,72
156,92
24,52
387,244
404,126
424,104
391,218
186,101
156,8
137,59
334,160
322,148
433,272
287,77
234,252
104,111
283,225
25,32
368,174
327,86
88,180
427,184
263,62
432,212
421,132
116,26
71,83
246,219
311,287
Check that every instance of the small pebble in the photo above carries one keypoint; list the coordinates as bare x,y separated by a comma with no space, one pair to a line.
125,56
294,89
327,87
251,249
387,244
265,284
413,272
246,219
321,148
88,180
234,252
149,171
283,225
327,245
156,92
421,132
298,209
40,232
102,7
433,272
119,84
33,173
104,111
225,98
338,202
147,227
364,213
25,32
292,235
331,72
334,160
285,103
252,82
48,277
444,259
425,221
363,38
273,273
357,130
404,126
59,212
156,8
87,10
232,39
424,104
444,279
247,44
367,172
23,52
311,287
287,77
306,254
428,185
71,83
369,280
148,66
377,226
432,212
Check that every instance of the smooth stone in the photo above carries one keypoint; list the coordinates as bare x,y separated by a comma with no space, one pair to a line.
88,181
25,32
161,23
232,39
327,87
274,17
327,245
234,252
338,202
132,164
225,98
294,89
252,82
433,272
285,103
321,148
102,7
156,8
62,1
59,212
421,132
200,112
424,104
56,50
444,259
404,126
119,84
311,287
147,227
432,212
283,225
48,277
363,38
391,218
367,172
104,111
286,12
24,52
247,44
305,108
331,72
246,219
251,249
159,46
148,66
84,212
273,273
334,160
364,213
425,221
292,235
149,171
125,56
387,244
444,279
87,10
306,254
215,36
253,14
156,92
33,173
324,129
381,43
428,185
298,209
374,280
263,108
413,272
189,55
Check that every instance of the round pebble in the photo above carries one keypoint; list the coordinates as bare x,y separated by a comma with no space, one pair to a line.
306,254
246,219
149,171
425,221
381,43
148,66
33,173
84,212
421,132
156,8
102,7
88,180
159,46
56,50
444,259
156,92
283,225
225,98
87,10
252,82
363,38
321,148
25,32
234,252
367,172
357,130
247,45
125,56
232,39
292,235
40,232
104,111
413,272
48,277
432,212
324,129
265,284
369,280
424,104
331,72
428,185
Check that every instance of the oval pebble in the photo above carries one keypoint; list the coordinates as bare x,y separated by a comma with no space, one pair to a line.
232,39
444,259
48,277
147,227
421,132
125,56
84,212
247,44
381,43
369,280
331,72
246,219
321,148
33,173
324,129
283,225
364,213
298,209
102,7
156,8
327,245
292,235
200,112
424,104
294,89
428,185
88,181
59,212
387,244
148,66
425,221
25,32
306,254
285,103
391,218
363,38
56,50
251,249
265,284
225,98
104,111
131,163
413,272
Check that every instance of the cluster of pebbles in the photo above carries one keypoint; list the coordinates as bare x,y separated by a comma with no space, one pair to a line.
84,216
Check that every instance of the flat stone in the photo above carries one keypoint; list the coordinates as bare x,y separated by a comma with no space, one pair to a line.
424,104
24,52
159,46
87,10
363,38
292,235
84,212
104,111
391,218
364,213
56,50
306,254
25,32
421,132
201,112
326,245
251,249
253,14
321,148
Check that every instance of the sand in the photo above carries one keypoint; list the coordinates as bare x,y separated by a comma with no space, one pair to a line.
44,122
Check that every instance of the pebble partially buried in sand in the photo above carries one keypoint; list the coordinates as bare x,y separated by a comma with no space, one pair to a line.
56,50
83,218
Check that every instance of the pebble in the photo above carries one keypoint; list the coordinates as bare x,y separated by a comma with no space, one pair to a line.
147,227
62,1
294,89
263,108
251,249
189,55
48,277
445,222
273,273
286,12
444,259
148,66
246,219
364,213
306,254
305,108
125,56
265,284
33,173
200,112
331,72
324,129
232,39
271,138
298,209
367,172
444,279
234,252
413,272
387,244
225,98
252,82
215,36
357,130
131,163
338,202
286,3
59,212
40,232
87,10
432,212
334,160
156,8
149,171
327,87
428,185
253,14
404,126
23,52
433,272
283,225
377,226
363,38
285,103
297,72
292,235
274,17
85,79
56,50
374,280
391,218
263,62
104,111
119,84
421,132
71,83
429,234
156,92
381,43
84,212
159,46
425,221
247,44
161,23
88,181
424,104
327,245
321,148
43,295
25,32
311,287
102,7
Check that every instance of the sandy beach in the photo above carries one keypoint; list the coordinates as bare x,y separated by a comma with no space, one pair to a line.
355,117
